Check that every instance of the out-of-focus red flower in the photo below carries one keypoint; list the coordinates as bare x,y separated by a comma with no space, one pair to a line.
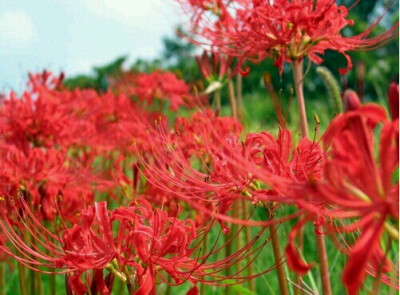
217,69
45,180
164,86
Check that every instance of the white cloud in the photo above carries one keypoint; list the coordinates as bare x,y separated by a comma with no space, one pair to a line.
134,11
16,29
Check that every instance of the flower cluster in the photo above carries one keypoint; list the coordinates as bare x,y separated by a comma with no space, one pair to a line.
281,29
147,185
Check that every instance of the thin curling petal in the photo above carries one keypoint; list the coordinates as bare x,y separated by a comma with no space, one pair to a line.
293,257
146,285
354,272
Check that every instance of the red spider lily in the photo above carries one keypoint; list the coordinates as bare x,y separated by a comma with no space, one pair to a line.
44,80
45,116
148,243
285,30
45,180
355,185
136,244
224,168
39,121
157,85
218,71
195,136
53,117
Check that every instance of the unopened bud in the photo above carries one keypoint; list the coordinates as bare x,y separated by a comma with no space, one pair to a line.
393,100
351,101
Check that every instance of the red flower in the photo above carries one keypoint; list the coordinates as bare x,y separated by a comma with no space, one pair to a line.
281,29
45,180
157,85
147,243
358,188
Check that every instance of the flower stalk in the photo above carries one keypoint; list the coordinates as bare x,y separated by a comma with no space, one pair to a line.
239,94
2,279
232,99
298,76
22,279
217,100
278,256
297,66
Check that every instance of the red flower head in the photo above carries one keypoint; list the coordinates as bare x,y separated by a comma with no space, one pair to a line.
148,243
44,179
164,86
206,165
358,189
44,116
217,69
284,30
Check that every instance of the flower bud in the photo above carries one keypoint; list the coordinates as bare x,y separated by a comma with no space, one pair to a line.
351,101
393,100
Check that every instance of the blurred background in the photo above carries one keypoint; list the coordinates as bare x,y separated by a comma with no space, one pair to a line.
75,35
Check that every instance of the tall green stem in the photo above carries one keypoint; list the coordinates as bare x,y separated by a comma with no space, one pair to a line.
278,256
39,287
2,279
297,66
232,99
323,261
247,238
204,251
217,100
53,290
239,94
320,239
22,279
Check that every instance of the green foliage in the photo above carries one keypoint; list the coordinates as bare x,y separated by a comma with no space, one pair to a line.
98,80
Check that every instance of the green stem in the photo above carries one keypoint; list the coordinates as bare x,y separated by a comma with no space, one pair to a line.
278,256
204,246
168,290
239,94
232,99
247,238
32,279
228,252
217,100
2,279
320,239
297,66
130,288
38,279
53,290
323,261
22,279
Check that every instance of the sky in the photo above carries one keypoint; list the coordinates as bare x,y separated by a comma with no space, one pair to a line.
75,35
